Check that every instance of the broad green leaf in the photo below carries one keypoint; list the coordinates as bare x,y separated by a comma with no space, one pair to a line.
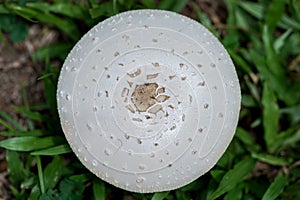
160,195
276,188
35,193
270,115
81,177
233,177
217,174
54,171
270,159
52,151
99,189
271,57
15,167
71,189
274,13
235,194
30,143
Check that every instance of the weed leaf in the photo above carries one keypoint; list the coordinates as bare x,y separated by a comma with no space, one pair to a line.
233,177
30,143
275,188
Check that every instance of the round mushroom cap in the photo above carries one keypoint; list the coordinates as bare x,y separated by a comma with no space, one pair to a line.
148,100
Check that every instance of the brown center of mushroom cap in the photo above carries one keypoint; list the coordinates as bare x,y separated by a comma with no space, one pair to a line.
145,97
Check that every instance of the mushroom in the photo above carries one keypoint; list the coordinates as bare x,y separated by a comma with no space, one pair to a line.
148,100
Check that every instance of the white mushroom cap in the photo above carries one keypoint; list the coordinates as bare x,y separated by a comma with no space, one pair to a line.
148,100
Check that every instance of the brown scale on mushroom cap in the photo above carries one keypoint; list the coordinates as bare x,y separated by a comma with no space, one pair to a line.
143,96
147,95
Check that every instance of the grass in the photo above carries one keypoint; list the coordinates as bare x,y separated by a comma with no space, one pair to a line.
262,161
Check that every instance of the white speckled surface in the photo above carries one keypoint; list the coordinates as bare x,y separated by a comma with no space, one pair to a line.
193,100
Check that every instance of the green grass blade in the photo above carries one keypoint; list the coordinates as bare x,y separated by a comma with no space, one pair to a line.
274,13
255,9
10,120
270,159
240,62
52,151
26,104
29,114
24,133
40,174
30,143
247,139
288,23
233,177
280,41
292,140
270,115
45,76
71,10
66,26
276,188
99,189
6,125
160,195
